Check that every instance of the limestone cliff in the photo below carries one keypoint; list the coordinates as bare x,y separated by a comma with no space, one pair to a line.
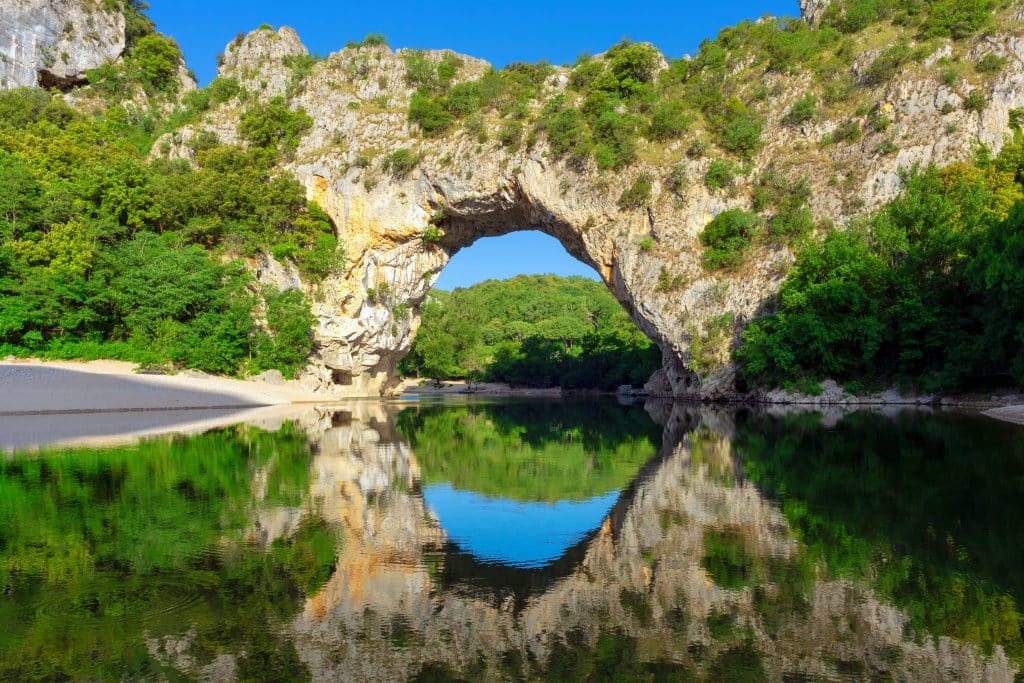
404,202
400,227
53,43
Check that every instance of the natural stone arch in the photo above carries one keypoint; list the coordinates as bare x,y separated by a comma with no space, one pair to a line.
650,259
393,267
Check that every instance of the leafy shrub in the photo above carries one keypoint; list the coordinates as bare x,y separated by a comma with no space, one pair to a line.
975,101
401,162
631,65
957,18
432,234
720,174
323,259
676,180
886,147
154,61
567,133
223,89
791,224
697,149
420,71
370,40
510,134
615,138
463,99
272,125
637,195
739,129
802,111
728,238
447,68
430,113
852,16
669,120
990,64
778,191
848,131
290,321
885,65
585,73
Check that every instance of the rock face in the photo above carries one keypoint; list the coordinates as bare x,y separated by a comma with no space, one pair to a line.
401,229
53,43
812,10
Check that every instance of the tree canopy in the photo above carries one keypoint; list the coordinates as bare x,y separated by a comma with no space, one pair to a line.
105,252
532,330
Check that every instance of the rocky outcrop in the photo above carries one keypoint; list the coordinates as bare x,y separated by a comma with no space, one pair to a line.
812,10
53,43
401,223
260,60
401,229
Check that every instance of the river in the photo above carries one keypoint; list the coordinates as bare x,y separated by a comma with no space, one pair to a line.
478,540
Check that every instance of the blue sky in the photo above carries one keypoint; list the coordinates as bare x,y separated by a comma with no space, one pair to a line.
514,532
527,30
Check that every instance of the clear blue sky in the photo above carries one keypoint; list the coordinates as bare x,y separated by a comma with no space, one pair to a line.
526,30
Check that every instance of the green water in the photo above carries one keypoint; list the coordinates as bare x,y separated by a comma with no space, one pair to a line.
521,540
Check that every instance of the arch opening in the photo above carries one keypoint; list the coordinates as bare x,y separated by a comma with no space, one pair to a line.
519,309
400,238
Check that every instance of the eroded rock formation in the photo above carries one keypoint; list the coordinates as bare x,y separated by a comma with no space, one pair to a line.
53,43
468,188
401,223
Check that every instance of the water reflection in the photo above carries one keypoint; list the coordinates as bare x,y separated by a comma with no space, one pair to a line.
522,540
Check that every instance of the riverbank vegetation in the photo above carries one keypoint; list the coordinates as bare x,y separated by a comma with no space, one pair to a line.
928,291
100,549
532,330
105,252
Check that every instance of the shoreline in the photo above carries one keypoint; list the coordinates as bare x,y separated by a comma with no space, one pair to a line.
32,387
1012,414
52,388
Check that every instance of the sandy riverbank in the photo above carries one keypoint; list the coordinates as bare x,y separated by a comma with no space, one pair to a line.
34,387
106,403
1014,414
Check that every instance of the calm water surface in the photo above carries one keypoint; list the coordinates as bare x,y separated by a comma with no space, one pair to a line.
522,540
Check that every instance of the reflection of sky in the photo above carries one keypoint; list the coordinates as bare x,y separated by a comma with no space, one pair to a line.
513,532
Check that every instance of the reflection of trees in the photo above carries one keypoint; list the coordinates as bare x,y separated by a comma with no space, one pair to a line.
920,505
698,577
870,566
532,450
99,548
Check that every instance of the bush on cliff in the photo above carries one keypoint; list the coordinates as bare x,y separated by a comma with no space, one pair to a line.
927,291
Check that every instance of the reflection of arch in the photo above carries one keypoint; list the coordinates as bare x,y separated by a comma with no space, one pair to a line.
464,573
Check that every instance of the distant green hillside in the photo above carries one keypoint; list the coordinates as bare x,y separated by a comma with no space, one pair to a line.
532,330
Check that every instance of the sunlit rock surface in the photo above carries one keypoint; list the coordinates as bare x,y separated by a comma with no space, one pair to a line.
53,43
368,316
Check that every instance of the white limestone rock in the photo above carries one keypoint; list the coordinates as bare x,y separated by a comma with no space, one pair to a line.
54,42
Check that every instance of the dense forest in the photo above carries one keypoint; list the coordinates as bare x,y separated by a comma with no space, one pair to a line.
531,330
927,292
106,252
